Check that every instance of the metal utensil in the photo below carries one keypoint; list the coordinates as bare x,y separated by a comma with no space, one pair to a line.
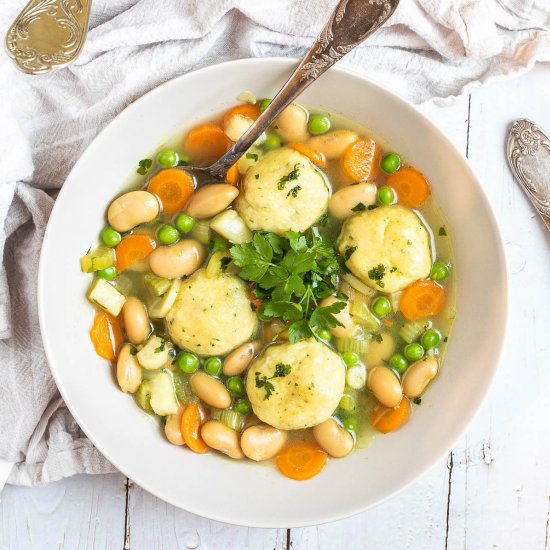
528,153
48,34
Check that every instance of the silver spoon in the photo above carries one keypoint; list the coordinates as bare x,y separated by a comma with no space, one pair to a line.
351,22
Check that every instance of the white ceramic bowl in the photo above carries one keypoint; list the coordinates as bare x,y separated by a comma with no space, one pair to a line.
234,491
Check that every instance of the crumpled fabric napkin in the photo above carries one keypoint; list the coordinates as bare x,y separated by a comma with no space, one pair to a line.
429,49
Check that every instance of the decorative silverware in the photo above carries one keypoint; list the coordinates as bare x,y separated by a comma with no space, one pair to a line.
48,34
528,154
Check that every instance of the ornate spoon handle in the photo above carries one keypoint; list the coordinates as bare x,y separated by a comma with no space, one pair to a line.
528,155
349,24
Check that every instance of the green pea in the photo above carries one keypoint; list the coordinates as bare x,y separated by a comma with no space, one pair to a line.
350,358
264,104
413,352
399,363
187,362
439,271
217,243
381,306
318,124
430,339
235,386
390,163
167,158
184,223
110,237
109,273
324,334
213,366
242,406
386,195
168,234
272,141
350,424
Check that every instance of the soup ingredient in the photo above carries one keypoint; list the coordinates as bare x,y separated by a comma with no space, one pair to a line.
288,194
238,360
201,231
211,200
205,144
218,436
399,362
213,366
157,286
238,126
128,370
191,421
160,307
232,175
231,226
264,103
346,327
350,199
291,124
314,156
413,352
211,316
187,362
350,358
232,419
235,386
294,386
361,160
136,320
99,258
410,185
386,195
184,223
132,249
172,428
419,375
422,299
272,141
439,272
356,376
131,209
243,406
301,460
210,390
109,273
430,339
167,234
163,395
381,348
351,424
412,330
318,124
106,335
246,110
390,163
178,260
262,442
385,386
331,437
110,237
381,306
387,420
392,247
250,159
333,144
106,296
154,354
143,396
167,158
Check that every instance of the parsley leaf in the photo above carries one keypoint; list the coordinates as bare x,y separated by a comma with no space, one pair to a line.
359,207
294,191
349,251
182,162
291,176
377,274
144,165
281,370
252,156
442,231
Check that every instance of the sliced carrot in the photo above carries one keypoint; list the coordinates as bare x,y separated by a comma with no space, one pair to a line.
301,460
206,143
361,160
191,421
106,335
388,322
232,176
312,154
248,110
173,187
410,185
387,420
132,249
422,299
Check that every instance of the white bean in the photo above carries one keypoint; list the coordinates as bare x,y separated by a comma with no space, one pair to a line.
385,386
218,436
419,375
336,441
291,124
172,428
128,370
136,320
177,260
210,390
344,200
211,199
131,209
350,328
333,144
262,442
239,359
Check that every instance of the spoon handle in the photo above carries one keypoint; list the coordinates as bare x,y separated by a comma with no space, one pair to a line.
351,22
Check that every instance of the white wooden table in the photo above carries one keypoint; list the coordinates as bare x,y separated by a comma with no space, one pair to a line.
492,491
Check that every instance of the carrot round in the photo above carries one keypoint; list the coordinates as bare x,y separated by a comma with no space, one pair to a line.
106,335
232,176
248,110
361,160
312,154
422,299
206,143
191,421
132,249
301,460
387,420
410,185
173,188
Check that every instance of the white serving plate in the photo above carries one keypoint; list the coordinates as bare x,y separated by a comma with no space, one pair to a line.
240,492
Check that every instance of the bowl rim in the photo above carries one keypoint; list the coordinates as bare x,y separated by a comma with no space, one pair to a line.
500,252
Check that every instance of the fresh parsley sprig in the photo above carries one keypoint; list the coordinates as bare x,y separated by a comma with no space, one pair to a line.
262,381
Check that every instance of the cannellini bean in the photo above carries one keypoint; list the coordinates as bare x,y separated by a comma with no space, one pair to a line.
177,260
419,375
136,320
211,199
172,428
218,436
291,124
131,209
385,386
262,442
275,330
380,351
336,441
341,203
350,328
239,359
210,390
333,144
128,370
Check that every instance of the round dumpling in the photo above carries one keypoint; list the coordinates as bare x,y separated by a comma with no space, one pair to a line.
211,316
281,192
390,247
307,387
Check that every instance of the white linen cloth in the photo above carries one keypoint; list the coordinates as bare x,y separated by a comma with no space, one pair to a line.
430,49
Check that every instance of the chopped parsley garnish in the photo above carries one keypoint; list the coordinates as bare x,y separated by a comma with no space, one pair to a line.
264,382
417,400
323,220
409,242
133,350
359,207
442,231
393,269
257,176
377,274
377,337
252,156
182,162
294,191
291,176
144,166
372,206
446,339
349,251
162,346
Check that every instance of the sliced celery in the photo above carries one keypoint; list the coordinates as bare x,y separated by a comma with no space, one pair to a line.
412,330
232,419
201,231
352,344
157,286
363,315
358,285
99,258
